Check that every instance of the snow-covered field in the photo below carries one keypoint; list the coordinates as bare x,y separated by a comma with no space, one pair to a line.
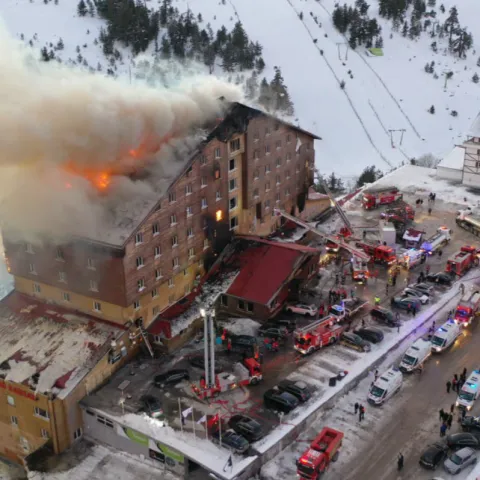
392,92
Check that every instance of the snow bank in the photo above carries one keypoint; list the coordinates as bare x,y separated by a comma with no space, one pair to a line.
241,326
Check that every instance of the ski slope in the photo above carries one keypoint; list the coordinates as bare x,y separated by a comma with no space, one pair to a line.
359,125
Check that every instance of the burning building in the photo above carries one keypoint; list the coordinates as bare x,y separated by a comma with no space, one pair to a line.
151,248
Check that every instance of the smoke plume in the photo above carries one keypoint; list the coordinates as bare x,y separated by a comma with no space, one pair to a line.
66,133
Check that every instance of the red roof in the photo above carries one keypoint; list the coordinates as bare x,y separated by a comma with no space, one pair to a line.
287,245
264,269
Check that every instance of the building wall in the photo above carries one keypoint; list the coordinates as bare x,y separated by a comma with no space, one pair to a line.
450,174
471,165
314,208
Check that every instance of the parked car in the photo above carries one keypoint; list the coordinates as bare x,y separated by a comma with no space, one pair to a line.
284,402
351,340
247,427
172,377
441,278
412,292
298,389
425,288
243,343
470,423
272,332
460,460
288,324
456,441
232,440
403,303
199,362
370,334
302,309
385,316
151,406
433,455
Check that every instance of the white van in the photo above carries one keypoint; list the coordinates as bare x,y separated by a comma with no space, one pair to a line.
445,336
416,355
469,392
385,386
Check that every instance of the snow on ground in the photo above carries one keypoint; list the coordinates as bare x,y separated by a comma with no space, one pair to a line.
383,95
241,326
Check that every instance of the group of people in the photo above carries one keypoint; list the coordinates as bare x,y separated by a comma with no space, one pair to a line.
457,382
446,419
360,411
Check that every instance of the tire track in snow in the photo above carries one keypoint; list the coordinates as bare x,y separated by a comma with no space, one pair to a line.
407,118
367,133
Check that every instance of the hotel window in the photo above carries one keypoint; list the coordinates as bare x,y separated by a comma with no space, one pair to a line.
172,197
31,269
224,300
139,262
231,164
171,282
278,180
218,153
66,296
233,223
39,412
191,252
277,198
157,251
289,138
204,202
278,162
136,304
267,204
190,232
188,189
255,193
287,191
188,289
36,288
189,211
287,174
155,230
140,284
278,144
241,305
44,433
267,186
288,156
77,433
138,238
267,149
267,131
29,248
233,203
154,293
267,168
232,184
175,262
155,310
256,154
14,420
173,220
62,277
189,172
171,299
218,195
11,400
203,182
158,274
174,241
90,263
276,126
297,168
203,160
235,145
249,307
59,255
93,286
256,174
205,243
256,136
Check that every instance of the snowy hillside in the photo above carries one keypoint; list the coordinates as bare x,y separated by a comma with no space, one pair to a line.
391,92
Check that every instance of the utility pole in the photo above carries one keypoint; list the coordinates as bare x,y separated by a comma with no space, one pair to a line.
346,50
401,130
448,76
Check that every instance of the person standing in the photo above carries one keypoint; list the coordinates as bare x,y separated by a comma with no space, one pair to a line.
400,462
443,429
357,406
361,413
441,413
449,385
454,384
449,421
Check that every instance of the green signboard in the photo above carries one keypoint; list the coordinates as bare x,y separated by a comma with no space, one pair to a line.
136,437
170,453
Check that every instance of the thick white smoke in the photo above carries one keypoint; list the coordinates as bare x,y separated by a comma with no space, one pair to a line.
53,116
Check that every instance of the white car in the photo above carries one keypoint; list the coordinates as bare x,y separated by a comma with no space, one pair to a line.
302,309
410,292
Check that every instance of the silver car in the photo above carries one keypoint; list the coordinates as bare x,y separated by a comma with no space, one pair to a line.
460,460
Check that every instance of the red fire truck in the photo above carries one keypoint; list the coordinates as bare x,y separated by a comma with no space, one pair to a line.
318,334
248,373
379,253
467,308
323,450
376,196
461,262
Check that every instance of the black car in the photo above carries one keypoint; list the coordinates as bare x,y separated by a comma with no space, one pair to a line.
232,440
471,424
151,406
289,325
284,402
405,303
243,343
385,316
247,427
433,455
441,278
370,334
199,362
456,441
272,332
298,389
172,377
351,340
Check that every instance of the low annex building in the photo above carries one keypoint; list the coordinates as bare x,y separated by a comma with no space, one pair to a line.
269,273
50,358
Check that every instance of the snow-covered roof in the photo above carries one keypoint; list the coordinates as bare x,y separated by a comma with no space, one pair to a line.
475,127
58,345
454,159
412,235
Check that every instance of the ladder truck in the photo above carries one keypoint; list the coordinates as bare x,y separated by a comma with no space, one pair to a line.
318,334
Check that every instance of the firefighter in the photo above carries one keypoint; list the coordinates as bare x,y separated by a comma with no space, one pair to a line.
229,346
377,300
275,345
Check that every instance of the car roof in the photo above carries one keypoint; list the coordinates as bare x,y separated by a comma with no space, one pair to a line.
370,329
465,452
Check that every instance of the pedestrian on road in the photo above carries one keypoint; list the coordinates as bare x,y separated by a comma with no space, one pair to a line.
462,288
464,412
430,211
400,462
409,309
440,253
376,375
449,421
441,413
464,373
362,413
449,385
357,406
454,384
452,407
414,310
443,429
398,328
427,269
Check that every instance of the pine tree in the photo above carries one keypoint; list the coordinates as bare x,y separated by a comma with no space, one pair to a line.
442,8
281,98
265,98
379,42
405,29
81,8
475,78
166,49
431,3
431,110
45,57
60,45
369,175
259,65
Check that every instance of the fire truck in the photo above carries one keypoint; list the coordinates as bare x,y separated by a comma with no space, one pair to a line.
248,373
403,213
323,450
437,241
379,253
461,262
467,308
318,334
468,222
376,196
